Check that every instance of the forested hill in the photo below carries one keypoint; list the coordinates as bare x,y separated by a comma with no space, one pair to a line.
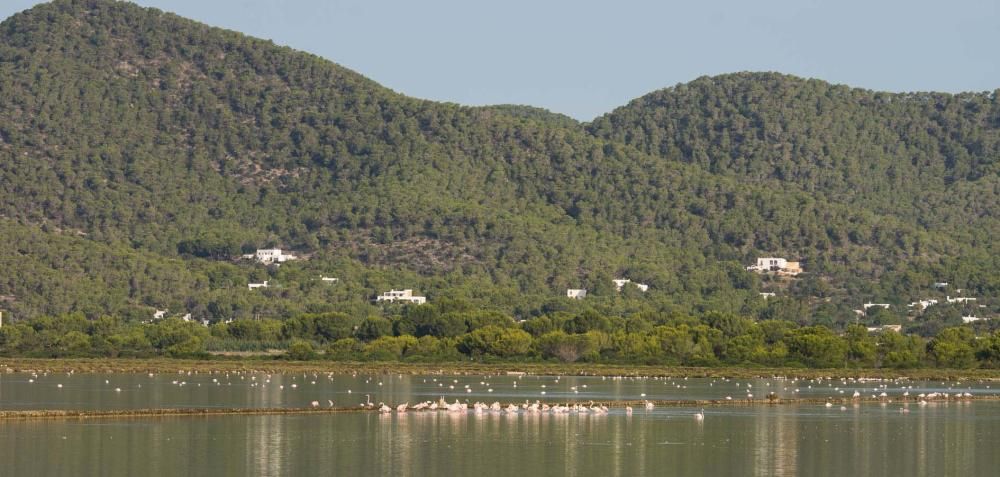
930,158
141,153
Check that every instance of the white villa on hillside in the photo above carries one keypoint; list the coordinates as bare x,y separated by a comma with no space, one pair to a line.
958,299
257,285
576,293
869,305
620,283
923,304
776,264
970,319
766,295
270,255
876,329
401,295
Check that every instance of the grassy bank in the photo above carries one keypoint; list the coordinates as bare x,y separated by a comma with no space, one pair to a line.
163,365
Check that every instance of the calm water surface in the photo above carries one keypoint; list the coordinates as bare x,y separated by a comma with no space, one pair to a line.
956,438
136,391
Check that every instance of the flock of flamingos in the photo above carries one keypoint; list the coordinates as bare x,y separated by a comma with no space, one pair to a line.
496,407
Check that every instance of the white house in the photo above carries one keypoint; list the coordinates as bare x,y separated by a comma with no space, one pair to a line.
959,299
940,284
923,304
576,293
257,285
159,314
875,329
776,264
767,295
767,264
401,295
620,283
186,317
869,305
329,279
270,255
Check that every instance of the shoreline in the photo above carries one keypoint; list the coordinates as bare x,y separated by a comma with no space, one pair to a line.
169,365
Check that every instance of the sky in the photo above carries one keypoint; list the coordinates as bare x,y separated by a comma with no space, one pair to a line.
584,58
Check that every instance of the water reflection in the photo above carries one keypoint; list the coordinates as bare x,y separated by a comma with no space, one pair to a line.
931,440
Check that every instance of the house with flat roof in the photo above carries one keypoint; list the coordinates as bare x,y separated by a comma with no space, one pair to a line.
620,283
923,304
268,256
878,329
405,296
778,265
958,299
576,293
257,285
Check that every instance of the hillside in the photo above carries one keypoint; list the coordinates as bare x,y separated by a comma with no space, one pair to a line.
141,153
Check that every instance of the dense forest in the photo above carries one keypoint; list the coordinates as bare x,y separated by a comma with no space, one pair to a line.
141,154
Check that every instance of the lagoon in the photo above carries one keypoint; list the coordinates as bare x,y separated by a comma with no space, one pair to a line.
865,439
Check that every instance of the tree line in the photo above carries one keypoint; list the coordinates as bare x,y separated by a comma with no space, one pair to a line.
423,333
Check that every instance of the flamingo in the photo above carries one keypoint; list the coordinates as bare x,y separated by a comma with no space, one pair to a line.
383,408
649,406
700,416
628,410
402,407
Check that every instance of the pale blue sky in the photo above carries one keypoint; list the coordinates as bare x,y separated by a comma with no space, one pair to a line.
585,57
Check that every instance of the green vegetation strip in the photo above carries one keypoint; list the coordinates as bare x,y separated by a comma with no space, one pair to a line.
637,405
165,365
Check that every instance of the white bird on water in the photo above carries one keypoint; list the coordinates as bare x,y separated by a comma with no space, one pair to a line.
700,416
